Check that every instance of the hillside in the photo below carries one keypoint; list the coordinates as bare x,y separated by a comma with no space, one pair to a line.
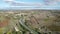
29,21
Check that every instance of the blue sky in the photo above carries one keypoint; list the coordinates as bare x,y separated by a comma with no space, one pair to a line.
32,4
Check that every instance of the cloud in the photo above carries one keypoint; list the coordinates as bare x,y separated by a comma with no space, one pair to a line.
25,4
19,3
8,0
51,2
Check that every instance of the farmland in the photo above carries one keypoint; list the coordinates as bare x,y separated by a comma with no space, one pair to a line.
29,22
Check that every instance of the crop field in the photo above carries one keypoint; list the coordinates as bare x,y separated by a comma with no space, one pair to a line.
30,22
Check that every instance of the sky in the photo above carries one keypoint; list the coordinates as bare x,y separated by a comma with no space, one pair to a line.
29,4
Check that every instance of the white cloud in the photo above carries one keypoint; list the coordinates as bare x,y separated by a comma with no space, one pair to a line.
19,3
8,0
51,2
25,4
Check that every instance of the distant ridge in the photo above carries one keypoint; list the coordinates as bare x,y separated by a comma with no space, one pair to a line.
28,8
